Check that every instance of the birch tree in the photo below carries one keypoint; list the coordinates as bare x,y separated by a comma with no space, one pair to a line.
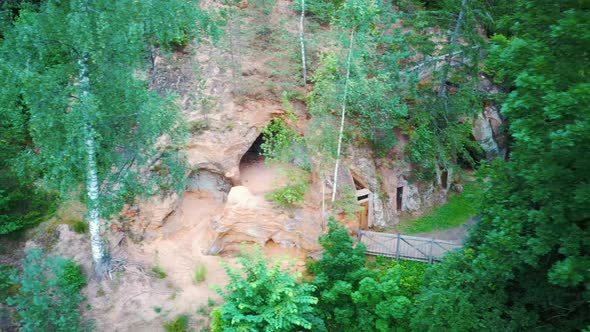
354,16
80,66
302,42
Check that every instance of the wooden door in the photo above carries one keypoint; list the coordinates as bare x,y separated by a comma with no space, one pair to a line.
364,215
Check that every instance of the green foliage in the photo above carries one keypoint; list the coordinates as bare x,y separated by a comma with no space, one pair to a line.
441,135
458,209
43,55
198,126
80,227
200,273
49,296
347,201
526,262
216,324
411,274
322,10
263,298
7,286
178,324
158,272
376,88
353,297
22,203
279,140
294,192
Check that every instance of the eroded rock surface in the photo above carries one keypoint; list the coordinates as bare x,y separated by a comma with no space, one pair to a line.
250,218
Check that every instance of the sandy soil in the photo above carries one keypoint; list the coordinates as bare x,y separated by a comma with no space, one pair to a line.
260,177
137,300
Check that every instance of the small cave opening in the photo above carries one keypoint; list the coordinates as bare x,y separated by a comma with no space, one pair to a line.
254,153
399,195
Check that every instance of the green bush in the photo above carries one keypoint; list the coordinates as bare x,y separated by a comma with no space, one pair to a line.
293,193
80,227
216,320
49,296
353,297
200,273
198,126
279,140
178,324
22,204
7,286
263,298
158,272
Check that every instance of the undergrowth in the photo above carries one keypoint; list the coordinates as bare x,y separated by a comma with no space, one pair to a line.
178,324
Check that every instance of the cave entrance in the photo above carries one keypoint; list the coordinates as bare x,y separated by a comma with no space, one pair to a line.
254,153
444,179
258,176
363,197
399,196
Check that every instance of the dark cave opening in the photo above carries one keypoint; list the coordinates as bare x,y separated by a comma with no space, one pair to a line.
254,153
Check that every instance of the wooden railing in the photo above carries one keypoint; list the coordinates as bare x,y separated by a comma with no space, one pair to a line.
406,247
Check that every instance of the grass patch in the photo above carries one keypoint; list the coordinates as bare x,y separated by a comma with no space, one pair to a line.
158,272
200,273
458,210
178,324
77,226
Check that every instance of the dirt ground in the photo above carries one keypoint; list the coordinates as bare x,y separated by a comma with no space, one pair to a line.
457,234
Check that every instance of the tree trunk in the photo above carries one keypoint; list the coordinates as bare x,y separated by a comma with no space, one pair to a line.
301,39
442,91
341,133
99,253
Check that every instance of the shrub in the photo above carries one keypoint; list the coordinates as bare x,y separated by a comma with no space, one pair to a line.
198,126
7,286
49,296
80,227
158,272
351,296
279,140
259,298
293,193
200,272
216,320
178,324
22,204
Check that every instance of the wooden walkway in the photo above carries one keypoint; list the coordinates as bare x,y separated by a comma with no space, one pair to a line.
406,247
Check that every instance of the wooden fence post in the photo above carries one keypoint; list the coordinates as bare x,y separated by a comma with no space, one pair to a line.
430,252
397,246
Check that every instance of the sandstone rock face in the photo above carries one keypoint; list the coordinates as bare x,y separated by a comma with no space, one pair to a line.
250,218
215,184
153,213
486,130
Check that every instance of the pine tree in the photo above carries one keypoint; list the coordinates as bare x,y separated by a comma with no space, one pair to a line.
79,65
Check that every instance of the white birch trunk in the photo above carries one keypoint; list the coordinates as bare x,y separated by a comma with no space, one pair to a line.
301,39
99,252
343,116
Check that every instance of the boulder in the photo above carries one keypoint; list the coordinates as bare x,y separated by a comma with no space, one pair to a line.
250,218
